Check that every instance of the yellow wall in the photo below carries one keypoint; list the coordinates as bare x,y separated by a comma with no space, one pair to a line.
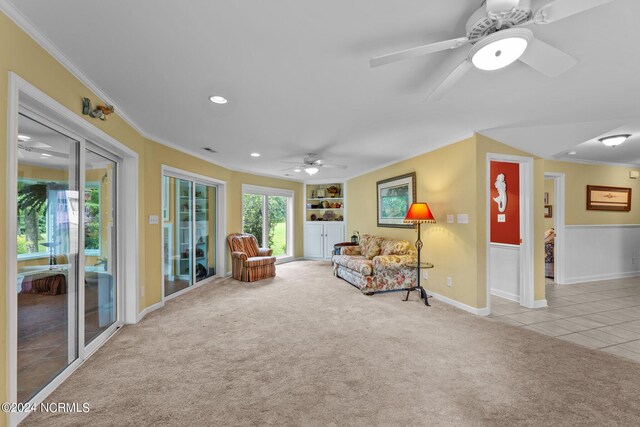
22,55
579,175
549,188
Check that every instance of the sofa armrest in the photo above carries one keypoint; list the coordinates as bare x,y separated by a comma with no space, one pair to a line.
240,255
350,250
265,252
392,262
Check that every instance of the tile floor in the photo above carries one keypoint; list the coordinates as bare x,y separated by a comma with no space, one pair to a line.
602,315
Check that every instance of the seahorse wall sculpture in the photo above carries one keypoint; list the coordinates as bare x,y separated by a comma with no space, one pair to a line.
501,186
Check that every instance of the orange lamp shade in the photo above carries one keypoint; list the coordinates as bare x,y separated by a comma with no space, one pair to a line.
419,213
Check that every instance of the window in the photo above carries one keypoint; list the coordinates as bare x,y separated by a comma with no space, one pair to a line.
92,220
267,214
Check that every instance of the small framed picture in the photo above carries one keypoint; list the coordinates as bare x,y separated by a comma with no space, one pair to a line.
548,211
395,195
320,193
546,198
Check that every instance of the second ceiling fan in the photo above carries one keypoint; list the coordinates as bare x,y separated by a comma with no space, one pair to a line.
498,35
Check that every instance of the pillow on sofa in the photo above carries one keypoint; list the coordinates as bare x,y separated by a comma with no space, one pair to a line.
370,246
394,247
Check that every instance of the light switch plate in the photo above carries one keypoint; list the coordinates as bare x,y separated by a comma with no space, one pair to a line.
449,219
502,218
463,218
153,219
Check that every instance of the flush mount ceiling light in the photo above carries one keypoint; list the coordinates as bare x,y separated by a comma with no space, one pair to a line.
217,99
255,154
572,153
311,170
613,140
500,48
23,138
297,170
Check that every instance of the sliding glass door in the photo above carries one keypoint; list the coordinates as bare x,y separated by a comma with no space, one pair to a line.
63,223
189,232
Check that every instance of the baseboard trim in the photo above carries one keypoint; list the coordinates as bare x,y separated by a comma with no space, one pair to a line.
574,280
149,309
540,303
460,305
505,295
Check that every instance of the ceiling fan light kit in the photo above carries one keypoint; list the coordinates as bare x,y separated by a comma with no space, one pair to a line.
311,170
500,48
614,140
498,38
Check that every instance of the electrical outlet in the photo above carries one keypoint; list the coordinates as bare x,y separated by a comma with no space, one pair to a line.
425,274
449,281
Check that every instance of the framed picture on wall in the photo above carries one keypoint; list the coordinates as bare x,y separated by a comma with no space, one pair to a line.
546,198
548,211
602,198
394,196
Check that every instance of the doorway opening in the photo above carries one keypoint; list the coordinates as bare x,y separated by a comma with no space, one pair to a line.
553,228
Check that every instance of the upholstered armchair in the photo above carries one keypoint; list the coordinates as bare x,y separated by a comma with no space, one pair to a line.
249,262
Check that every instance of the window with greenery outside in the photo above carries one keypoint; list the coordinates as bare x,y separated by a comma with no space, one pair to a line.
253,220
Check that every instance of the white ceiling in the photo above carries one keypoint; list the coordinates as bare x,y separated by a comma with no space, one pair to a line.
297,76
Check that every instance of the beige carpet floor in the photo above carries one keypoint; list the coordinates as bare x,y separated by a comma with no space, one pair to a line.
308,349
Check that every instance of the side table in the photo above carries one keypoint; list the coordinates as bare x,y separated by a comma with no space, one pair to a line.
423,292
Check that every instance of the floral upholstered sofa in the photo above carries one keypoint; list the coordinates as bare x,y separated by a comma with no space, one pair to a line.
377,264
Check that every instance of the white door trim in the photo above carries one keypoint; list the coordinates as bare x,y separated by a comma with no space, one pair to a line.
558,225
527,282
23,93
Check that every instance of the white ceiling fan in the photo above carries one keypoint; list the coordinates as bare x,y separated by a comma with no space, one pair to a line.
312,164
498,37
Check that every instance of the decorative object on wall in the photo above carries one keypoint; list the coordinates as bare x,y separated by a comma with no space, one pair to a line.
100,112
548,211
546,198
394,196
417,214
601,198
505,224
501,199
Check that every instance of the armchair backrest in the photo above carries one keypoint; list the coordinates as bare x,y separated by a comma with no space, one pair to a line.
243,242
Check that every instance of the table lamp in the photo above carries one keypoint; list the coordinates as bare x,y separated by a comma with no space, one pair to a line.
419,213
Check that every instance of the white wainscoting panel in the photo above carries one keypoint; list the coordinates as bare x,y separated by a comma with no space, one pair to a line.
504,271
601,252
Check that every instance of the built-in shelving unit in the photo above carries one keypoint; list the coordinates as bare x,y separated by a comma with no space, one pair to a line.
325,202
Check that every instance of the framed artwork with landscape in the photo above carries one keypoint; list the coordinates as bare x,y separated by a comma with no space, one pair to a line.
394,196
601,198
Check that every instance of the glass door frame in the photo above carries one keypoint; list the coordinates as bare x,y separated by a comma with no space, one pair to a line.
220,225
77,271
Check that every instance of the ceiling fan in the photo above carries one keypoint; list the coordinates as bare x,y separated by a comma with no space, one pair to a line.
312,164
498,37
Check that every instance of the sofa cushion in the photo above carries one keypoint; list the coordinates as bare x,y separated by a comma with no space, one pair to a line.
370,246
394,247
357,263
259,261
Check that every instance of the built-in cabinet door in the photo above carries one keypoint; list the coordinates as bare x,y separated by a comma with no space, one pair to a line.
313,240
333,234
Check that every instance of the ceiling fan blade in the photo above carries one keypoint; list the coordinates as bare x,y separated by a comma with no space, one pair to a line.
547,59
332,166
450,80
498,6
561,9
418,51
292,163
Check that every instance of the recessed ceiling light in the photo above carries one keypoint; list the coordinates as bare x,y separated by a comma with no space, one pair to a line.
500,48
572,153
45,155
217,99
24,137
255,154
297,170
613,140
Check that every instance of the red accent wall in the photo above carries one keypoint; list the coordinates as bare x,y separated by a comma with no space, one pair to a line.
508,231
